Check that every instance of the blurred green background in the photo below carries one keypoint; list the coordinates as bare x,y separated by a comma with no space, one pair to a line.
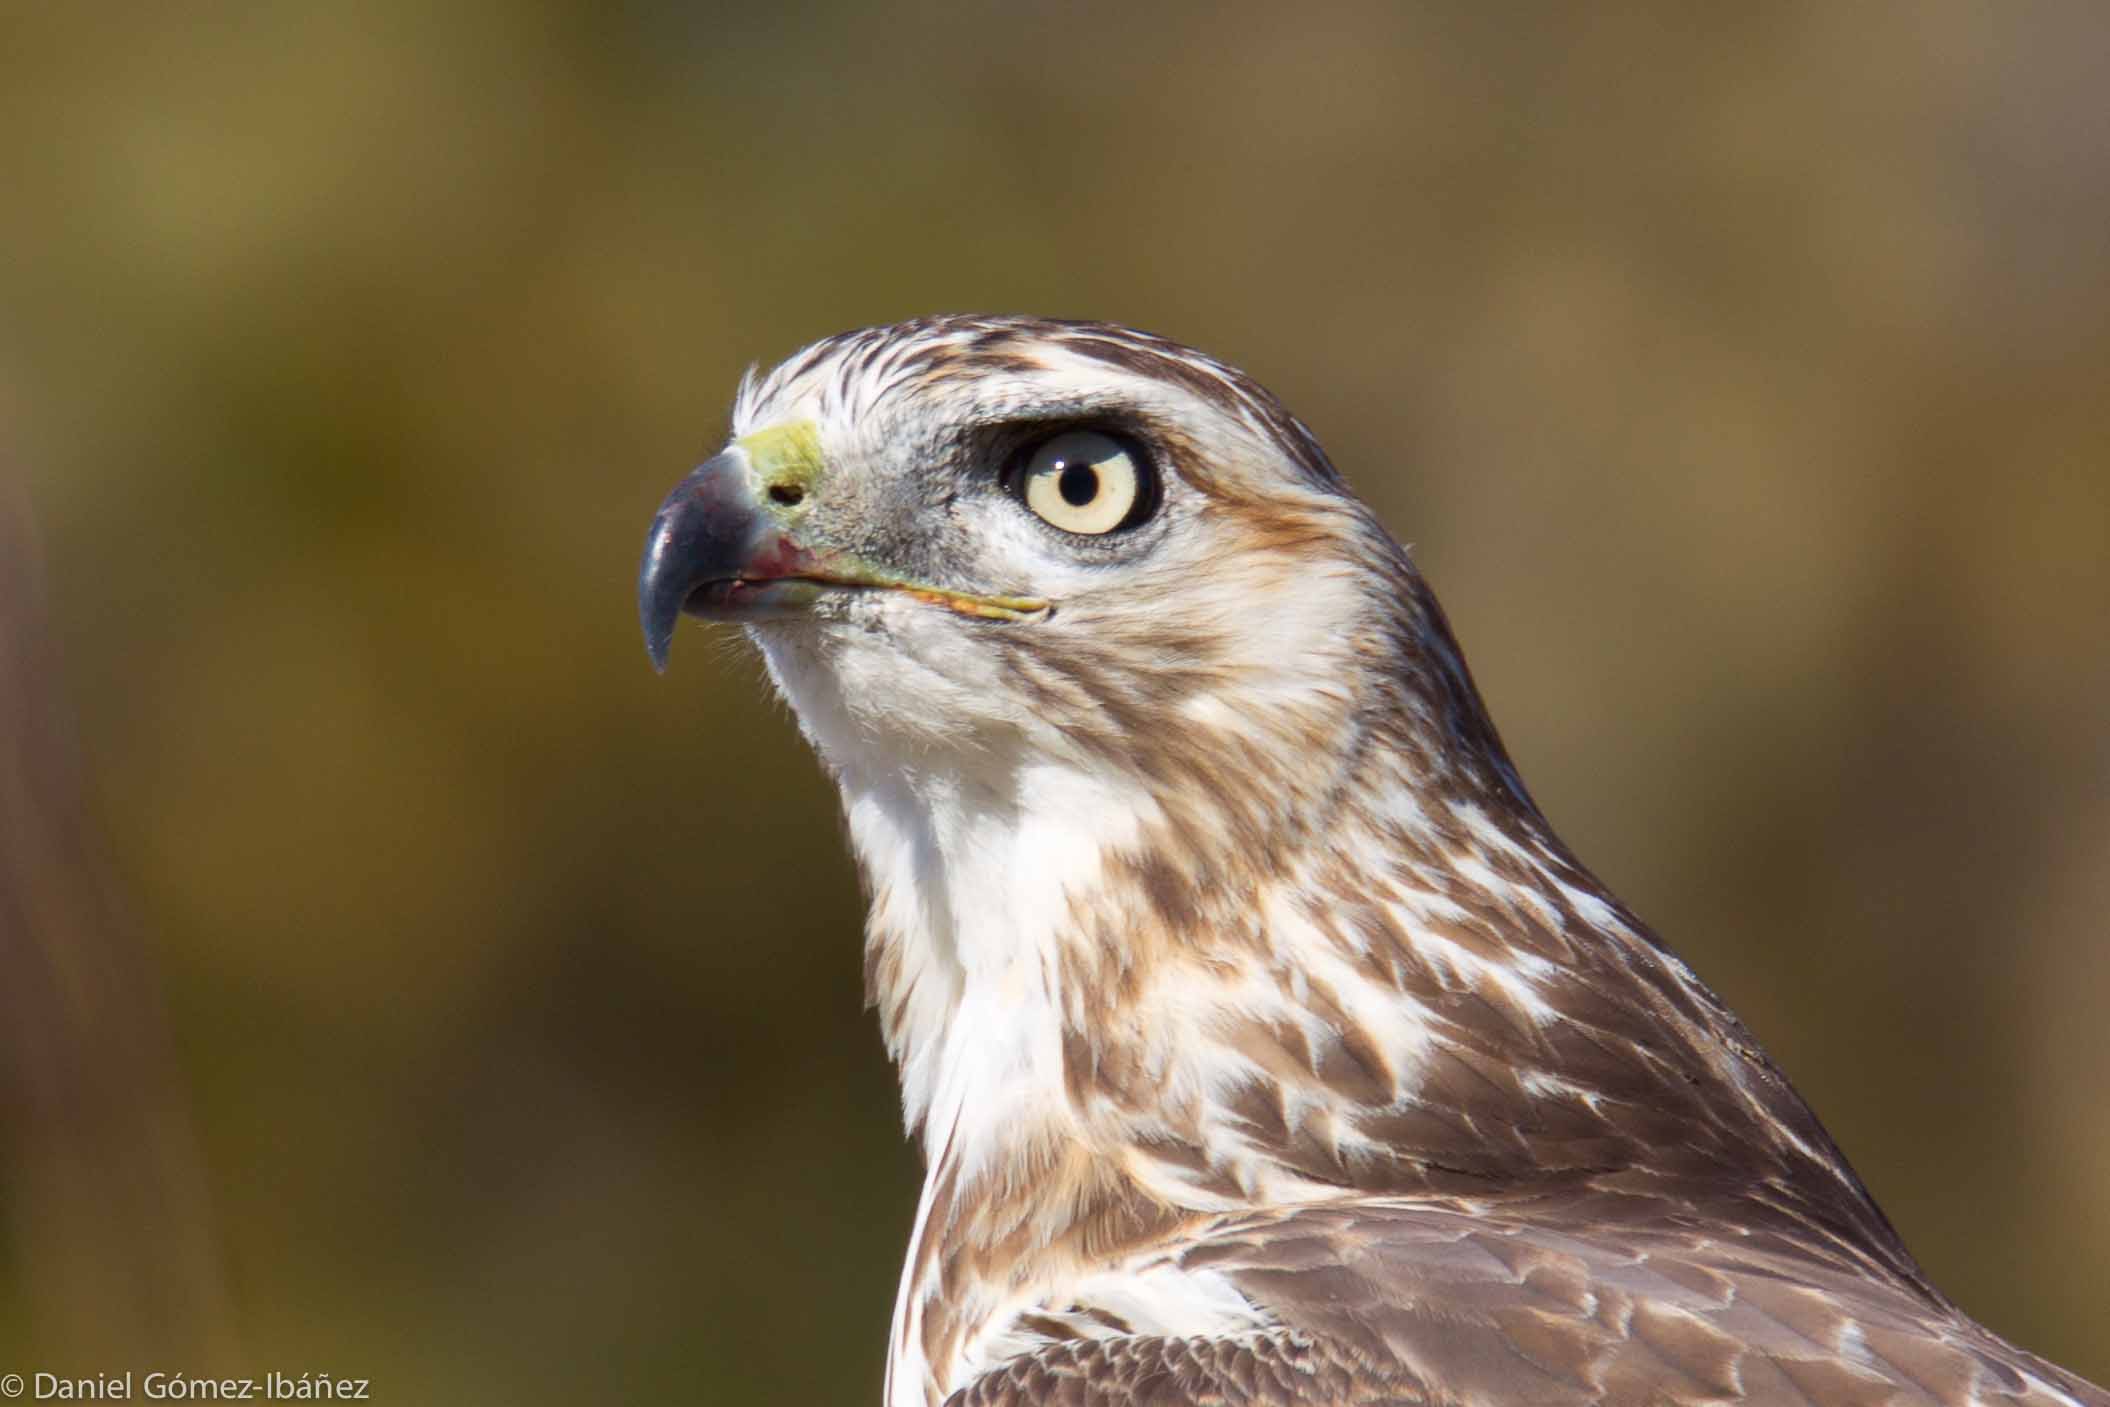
1738,374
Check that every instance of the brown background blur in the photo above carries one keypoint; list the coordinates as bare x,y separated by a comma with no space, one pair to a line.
476,1012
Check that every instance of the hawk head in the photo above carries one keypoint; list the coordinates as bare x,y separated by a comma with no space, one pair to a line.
1001,554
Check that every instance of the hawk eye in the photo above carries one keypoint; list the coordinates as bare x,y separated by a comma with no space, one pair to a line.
1087,483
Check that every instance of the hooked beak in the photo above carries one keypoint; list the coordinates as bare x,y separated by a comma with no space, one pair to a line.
717,551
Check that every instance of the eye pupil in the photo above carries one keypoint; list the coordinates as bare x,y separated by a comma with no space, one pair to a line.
1078,485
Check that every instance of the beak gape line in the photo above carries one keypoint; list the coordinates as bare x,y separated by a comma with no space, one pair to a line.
722,547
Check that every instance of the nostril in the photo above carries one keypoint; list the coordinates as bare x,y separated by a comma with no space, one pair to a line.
789,495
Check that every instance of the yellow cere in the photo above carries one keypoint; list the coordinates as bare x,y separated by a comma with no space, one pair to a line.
785,454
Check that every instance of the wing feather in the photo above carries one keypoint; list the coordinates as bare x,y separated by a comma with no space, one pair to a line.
1382,1303
1270,1370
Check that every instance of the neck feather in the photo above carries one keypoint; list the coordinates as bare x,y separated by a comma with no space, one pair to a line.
1124,993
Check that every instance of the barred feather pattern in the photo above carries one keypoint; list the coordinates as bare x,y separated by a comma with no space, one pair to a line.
1264,1043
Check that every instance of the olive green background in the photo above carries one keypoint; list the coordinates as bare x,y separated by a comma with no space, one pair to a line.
1737,373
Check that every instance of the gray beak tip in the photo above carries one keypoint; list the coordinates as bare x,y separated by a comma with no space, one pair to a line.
706,530
659,592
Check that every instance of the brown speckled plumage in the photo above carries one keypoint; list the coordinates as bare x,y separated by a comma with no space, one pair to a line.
1265,1044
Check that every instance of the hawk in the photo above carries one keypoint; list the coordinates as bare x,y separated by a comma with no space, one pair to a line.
1263,1043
